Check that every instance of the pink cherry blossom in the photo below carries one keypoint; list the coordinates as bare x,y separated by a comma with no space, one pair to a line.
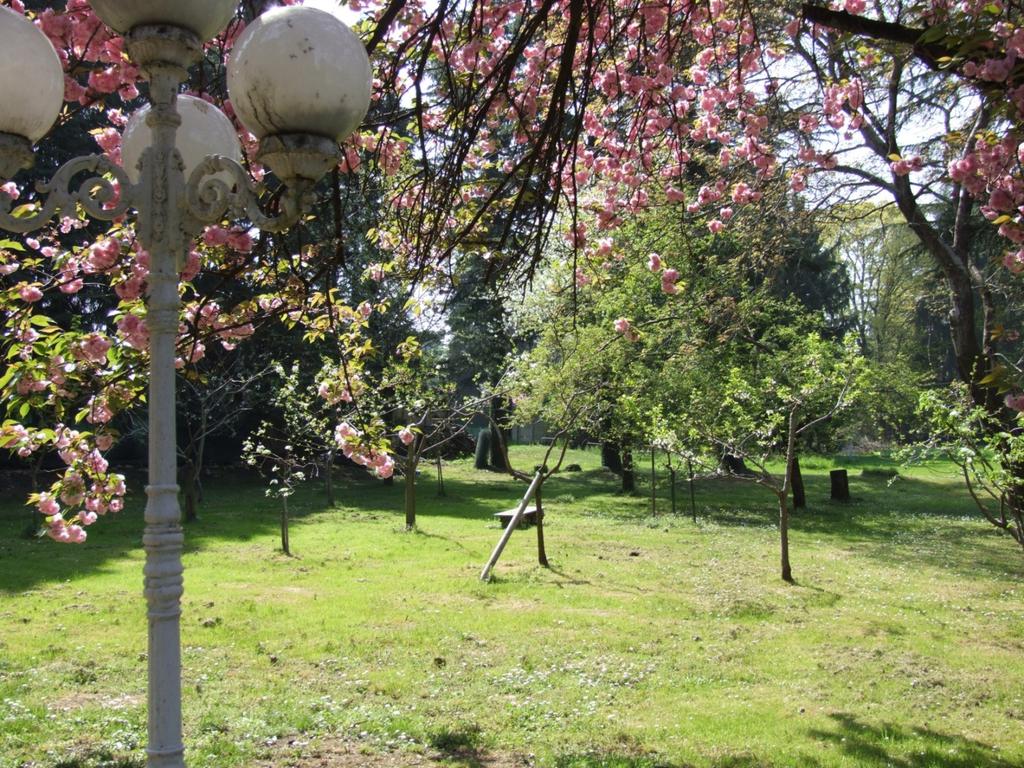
94,348
216,236
133,330
29,292
1014,401
72,286
47,505
102,255
240,240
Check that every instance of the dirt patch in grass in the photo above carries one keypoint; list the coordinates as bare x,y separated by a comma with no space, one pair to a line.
78,700
344,753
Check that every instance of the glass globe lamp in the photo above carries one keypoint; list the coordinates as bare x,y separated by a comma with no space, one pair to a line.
204,131
203,18
32,91
299,80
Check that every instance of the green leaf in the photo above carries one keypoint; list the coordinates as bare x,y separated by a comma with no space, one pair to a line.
932,35
11,245
997,375
24,211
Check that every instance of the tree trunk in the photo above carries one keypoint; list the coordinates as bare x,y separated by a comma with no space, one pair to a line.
499,437
654,487
797,481
483,449
542,555
955,262
1015,504
693,496
610,457
284,526
672,487
787,571
190,492
840,485
200,458
440,476
410,487
329,477
628,477
783,496
35,520
37,467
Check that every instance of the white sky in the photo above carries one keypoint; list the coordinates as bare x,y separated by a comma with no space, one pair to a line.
335,8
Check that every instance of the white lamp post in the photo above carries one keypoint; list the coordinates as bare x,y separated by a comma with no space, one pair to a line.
300,81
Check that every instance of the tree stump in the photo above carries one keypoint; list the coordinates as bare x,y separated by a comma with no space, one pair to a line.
840,485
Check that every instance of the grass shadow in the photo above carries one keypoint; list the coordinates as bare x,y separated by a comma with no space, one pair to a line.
629,759
99,757
625,759
891,522
459,746
908,521
901,746
234,509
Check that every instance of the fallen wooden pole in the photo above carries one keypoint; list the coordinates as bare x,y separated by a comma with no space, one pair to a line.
485,575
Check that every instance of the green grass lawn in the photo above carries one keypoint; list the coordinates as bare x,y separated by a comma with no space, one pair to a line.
651,641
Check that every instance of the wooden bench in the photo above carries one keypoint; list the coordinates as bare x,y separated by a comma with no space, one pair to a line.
529,516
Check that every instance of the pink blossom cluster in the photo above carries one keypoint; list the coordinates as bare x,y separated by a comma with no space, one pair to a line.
133,331
350,441
79,36
102,256
624,327
205,317
904,166
383,144
669,280
340,385
86,488
235,238
92,348
647,118
992,171
1014,401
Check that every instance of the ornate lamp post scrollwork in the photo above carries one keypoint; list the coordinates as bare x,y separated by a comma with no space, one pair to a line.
300,80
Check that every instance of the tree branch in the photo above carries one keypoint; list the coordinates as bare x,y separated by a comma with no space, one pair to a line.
929,53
